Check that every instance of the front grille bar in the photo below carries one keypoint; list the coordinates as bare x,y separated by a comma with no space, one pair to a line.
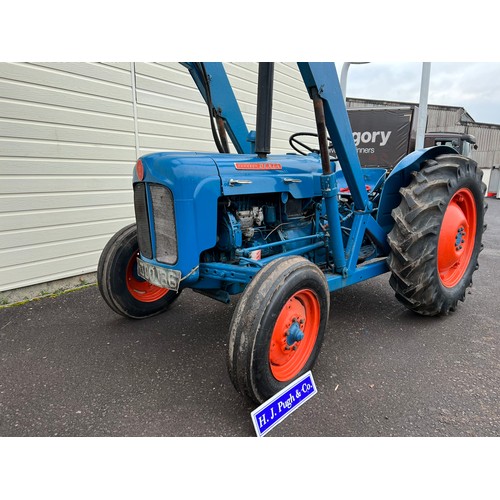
164,223
142,220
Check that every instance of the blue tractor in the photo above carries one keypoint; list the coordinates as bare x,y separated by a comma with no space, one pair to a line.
285,231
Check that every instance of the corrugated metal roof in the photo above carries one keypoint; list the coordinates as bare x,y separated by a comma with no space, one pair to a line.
458,111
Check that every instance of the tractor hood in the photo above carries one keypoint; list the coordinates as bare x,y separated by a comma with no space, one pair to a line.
186,173
249,174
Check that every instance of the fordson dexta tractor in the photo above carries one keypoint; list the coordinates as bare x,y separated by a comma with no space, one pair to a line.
285,231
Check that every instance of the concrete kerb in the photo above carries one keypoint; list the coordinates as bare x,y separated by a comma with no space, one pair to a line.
53,288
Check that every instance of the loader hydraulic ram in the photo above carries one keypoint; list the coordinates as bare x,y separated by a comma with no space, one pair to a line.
286,230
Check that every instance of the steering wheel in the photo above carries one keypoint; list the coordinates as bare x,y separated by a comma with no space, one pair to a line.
293,141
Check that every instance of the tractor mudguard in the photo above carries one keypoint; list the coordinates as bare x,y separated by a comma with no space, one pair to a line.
400,177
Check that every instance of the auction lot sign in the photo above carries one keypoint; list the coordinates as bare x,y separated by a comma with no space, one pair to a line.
281,405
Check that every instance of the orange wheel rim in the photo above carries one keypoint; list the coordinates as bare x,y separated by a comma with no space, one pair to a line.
294,335
457,238
140,289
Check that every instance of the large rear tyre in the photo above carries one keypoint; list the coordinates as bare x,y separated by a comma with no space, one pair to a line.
121,287
436,238
278,326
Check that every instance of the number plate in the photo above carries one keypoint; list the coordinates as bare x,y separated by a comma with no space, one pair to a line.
159,276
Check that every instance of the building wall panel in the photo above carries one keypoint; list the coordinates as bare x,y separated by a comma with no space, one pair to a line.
67,149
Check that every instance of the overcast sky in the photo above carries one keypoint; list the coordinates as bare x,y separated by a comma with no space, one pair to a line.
474,86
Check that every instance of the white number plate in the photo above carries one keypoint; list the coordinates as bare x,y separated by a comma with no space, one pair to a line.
159,276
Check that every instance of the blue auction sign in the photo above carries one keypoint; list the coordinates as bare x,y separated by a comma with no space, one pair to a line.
276,409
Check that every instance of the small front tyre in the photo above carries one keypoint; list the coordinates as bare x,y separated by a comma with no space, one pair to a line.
121,287
278,326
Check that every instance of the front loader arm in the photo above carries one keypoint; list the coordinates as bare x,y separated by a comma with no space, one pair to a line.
323,77
215,88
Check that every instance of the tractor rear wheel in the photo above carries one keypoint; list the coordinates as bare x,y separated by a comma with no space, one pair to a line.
121,287
436,238
278,326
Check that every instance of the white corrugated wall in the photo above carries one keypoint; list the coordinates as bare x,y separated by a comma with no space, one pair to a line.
66,147
69,137
173,116
488,140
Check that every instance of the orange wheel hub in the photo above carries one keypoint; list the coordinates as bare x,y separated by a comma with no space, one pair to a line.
457,238
294,335
140,289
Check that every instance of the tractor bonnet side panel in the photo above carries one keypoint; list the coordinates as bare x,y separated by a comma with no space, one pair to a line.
182,217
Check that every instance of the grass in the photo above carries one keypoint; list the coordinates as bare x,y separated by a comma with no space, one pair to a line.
44,294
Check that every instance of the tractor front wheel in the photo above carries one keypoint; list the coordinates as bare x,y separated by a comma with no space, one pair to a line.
121,287
278,326
436,238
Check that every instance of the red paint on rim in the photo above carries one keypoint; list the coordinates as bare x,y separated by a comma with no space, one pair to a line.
140,289
287,361
457,237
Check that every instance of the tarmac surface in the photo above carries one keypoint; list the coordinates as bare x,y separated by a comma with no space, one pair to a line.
69,366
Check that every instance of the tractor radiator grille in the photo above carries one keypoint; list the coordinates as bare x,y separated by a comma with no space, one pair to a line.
141,218
164,223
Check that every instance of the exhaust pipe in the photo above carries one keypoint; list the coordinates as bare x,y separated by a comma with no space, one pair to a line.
264,109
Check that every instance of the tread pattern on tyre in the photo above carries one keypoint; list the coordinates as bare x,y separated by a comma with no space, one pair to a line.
112,284
414,237
247,319
103,273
